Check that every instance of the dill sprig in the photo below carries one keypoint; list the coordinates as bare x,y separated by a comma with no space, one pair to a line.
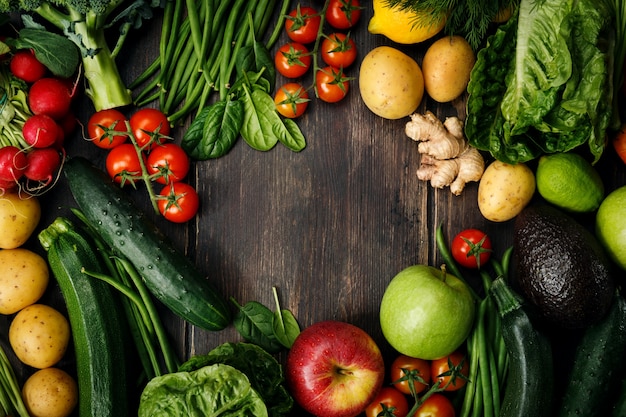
468,18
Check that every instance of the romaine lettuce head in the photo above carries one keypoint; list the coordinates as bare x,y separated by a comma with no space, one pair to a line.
544,82
261,368
214,390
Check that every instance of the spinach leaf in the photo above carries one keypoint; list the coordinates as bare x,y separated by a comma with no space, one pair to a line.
211,390
285,325
261,368
56,52
254,322
214,131
291,136
259,119
256,58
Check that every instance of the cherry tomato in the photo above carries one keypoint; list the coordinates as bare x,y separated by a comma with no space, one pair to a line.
168,162
406,370
471,248
178,202
338,50
619,143
442,370
291,100
437,405
122,163
149,125
292,60
389,402
331,83
343,14
302,24
102,123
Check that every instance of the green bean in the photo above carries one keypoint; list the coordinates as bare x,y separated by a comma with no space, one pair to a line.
471,386
478,406
484,362
278,27
229,34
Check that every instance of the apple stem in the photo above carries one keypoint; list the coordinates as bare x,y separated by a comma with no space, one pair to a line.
343,371
444,272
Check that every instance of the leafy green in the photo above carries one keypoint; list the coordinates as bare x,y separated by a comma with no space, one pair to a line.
214,131
263,371
56,52
254,322
213,390
543,84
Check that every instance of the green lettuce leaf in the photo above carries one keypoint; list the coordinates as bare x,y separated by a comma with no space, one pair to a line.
263,370
543,84
214,390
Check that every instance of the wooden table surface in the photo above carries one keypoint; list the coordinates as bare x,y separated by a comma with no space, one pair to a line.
329,226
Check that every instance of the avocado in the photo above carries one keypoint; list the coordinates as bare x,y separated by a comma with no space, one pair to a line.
561,268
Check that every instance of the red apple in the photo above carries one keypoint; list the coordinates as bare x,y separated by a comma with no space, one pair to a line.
334,369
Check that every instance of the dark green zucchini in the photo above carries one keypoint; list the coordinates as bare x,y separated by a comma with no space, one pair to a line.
598,365
530,380
169,275
95,319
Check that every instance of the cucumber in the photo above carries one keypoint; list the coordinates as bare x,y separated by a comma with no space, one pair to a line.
598,365
95,320
530,379
169,275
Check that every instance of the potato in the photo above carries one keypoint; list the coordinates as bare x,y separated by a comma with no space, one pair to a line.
39,335
50,392
391,83
19,216
504,190
24,277
446,66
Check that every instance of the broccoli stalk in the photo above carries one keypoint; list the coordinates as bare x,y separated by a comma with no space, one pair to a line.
84,23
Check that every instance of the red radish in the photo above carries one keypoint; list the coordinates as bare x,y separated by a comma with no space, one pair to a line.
50,96
43,164
26,66
40,131
13,162
7,186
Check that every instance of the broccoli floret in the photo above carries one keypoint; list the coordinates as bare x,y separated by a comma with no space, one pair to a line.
84,22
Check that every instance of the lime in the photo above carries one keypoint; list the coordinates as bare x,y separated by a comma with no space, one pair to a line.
570,182
611,225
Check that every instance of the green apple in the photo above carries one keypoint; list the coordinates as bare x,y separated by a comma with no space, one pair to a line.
426,313
611,225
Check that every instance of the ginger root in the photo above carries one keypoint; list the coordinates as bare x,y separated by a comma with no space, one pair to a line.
446,158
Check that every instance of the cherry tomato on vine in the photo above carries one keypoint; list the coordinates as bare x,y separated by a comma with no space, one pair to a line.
389,402
437,405
471,248
170,161
178,202
291,100
343,14
442,370
292,60
122,162
406,370
619,143
331,84
338,50
149,123
102,123
302,24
